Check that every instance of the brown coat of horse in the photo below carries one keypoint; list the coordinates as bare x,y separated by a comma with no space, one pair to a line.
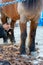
10,11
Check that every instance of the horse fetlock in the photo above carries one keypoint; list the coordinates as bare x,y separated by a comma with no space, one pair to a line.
12,40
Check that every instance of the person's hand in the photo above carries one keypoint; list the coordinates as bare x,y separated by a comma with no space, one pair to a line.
6,26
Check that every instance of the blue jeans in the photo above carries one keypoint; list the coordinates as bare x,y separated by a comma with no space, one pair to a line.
3,33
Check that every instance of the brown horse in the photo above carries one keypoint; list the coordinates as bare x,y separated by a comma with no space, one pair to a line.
10,11
29,10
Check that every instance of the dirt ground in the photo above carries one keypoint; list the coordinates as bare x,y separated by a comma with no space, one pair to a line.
11,53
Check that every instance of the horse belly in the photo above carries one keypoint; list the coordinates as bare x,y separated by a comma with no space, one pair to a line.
30,8
11,11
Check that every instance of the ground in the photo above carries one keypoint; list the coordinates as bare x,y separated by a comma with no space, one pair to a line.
11,53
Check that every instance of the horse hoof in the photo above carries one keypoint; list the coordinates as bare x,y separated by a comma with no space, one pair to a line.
13,42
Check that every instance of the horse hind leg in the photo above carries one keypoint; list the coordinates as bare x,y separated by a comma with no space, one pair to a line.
3,18
12,38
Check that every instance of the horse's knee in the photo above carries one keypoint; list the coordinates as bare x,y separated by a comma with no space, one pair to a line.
32,34
23,31
24,35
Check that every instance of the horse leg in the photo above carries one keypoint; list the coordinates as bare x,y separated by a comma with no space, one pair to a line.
33,28
23,37
23,29
12,38
3,18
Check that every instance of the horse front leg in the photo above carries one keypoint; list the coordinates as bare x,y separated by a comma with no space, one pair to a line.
33,28
23,30
23,37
